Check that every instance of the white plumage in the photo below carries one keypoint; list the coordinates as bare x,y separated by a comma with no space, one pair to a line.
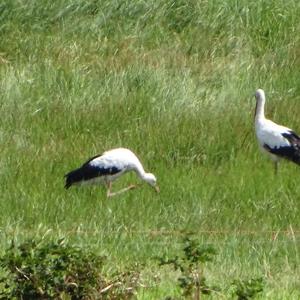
108,167
278,141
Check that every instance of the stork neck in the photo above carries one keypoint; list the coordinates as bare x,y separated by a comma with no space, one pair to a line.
260,110
140,171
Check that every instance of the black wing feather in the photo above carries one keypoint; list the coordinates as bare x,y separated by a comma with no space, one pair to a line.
292,137
87,172
291,152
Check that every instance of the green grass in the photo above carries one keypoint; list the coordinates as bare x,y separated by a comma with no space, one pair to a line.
174,82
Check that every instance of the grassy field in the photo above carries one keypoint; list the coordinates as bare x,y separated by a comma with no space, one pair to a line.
174,81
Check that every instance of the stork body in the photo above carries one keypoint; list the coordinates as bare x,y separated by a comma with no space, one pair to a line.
278,141
106,168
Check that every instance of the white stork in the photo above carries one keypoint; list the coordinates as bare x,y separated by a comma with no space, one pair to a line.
278,141
108,167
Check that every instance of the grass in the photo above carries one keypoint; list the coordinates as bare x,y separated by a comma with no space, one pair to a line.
173,81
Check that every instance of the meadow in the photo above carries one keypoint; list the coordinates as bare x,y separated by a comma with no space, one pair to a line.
174,81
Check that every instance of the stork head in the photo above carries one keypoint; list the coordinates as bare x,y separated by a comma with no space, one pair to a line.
151,179
260,95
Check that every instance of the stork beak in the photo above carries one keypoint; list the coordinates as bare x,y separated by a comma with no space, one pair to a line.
255,110
156,187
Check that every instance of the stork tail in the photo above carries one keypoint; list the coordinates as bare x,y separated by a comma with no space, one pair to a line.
74,177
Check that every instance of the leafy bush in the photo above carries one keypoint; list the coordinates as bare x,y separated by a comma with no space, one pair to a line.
192,280
248,289
55,270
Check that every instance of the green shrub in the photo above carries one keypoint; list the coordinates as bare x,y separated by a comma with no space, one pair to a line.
248,289
192,280
56,270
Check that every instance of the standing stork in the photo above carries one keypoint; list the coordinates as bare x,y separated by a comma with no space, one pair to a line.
108,167
278,141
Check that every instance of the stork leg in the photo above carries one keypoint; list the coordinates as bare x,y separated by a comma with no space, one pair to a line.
110,194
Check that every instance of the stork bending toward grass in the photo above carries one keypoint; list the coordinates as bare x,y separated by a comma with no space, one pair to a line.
108,167
278,141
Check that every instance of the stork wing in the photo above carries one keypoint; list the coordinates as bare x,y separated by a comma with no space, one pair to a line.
290,149
97,166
